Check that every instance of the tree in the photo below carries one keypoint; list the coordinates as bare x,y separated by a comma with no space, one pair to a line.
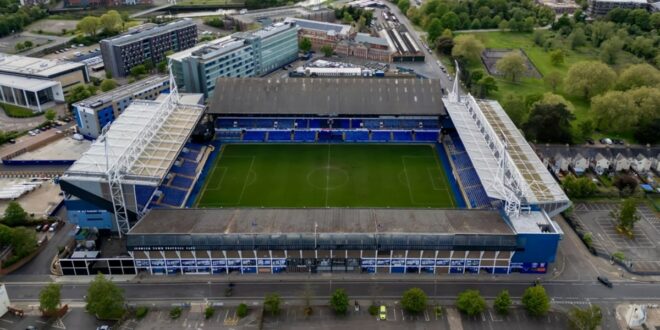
552,99
403,5
347,18
614,111
110,21
502,303
50,115
557,57
470,302
586,128
484,86
162,66
585,319
535,300
626,215
610,49
208,312
468,47
138,70
577,38
15,215
434,30
272,303
242,310
49,298
414,300
305,45
19,46
512,65
553,79
89,25
104,299
647,131
327,50
23,241
549,123
638,75
444,44
108,85
579,187
515,107
78,93
28,44
589,78
339,301
450,21
626,184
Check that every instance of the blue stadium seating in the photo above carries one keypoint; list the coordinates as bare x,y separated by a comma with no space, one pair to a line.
172,196
228,135
402,136
341,123
181,182
142,194
477,197
224,123
381,136
315,123
279,135
284,123
355,123
186,168
254,136
304,136
371,123
356,136
426,136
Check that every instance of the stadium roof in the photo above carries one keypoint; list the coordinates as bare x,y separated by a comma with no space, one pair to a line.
327,220
327,96
37,67
489,128
151,165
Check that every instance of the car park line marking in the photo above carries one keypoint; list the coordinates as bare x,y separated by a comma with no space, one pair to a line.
394,312
426,316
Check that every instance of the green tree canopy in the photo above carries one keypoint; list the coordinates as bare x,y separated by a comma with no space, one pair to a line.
49,298
589,78
327,50
104,299
536,301
626,215
502,302
15,215
579,187
89,25
468,47
414,300
557,57
272,303
108,85
553,79
610,49
553,99
512,65
305,44
403,5
471,302
50,114
638,75
515,107
588,318
110,21
339,301
549,123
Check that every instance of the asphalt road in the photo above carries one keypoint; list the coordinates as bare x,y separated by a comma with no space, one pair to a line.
565,291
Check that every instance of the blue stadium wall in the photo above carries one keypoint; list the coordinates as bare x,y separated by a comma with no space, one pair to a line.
539,251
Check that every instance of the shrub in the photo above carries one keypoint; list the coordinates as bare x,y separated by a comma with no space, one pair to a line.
141,312
242,310
175,313
373,310
208,312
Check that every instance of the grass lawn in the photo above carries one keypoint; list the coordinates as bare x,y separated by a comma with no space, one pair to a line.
332,175
228,3
541,60
17,111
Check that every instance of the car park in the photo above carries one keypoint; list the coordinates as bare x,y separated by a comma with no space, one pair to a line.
605,281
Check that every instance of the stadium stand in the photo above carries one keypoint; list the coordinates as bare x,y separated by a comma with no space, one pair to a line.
254,136
383,136
279,135
402,136
356,136
304,136
430,136
477,197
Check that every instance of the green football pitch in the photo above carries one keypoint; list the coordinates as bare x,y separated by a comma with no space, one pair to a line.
328,175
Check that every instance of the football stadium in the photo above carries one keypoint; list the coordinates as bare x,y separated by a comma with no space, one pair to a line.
367,175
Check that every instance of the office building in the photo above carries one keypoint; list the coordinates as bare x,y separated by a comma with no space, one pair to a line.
147,43
96,112
37,83
602,7
244,54
104,3
246,20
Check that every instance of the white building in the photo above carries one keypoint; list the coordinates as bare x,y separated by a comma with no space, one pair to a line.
600,164
621,162
641,163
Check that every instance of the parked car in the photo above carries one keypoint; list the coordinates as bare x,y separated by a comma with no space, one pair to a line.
605,281
617,141
81,45
38,228
53,227
590,141
45,228
383,313
606,141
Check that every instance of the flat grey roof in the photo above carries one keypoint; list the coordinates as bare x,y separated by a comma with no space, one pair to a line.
327,96
122,91
148,31
329,220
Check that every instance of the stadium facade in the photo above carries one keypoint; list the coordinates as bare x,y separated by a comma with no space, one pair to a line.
506,197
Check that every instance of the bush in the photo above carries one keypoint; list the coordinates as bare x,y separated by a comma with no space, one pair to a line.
175,313
208,312
141,312
414,300
18,112
470,302
242,310
373,310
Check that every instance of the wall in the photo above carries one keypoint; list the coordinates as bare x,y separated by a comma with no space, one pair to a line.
538,251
